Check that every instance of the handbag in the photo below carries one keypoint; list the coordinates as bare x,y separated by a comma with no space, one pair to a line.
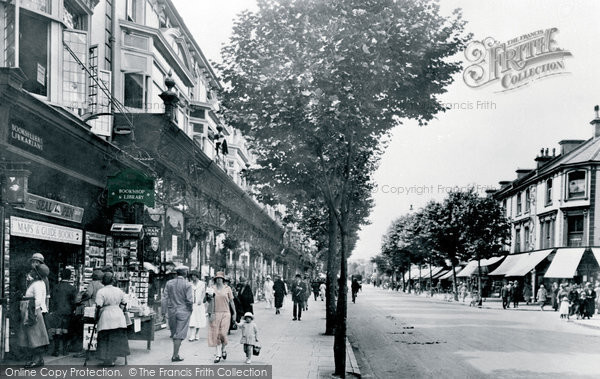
256,350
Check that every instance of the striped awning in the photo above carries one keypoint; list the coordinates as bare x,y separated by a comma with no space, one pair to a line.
472,267
526,265
448,275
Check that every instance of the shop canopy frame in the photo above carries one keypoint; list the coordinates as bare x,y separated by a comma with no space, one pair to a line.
520,264
472,267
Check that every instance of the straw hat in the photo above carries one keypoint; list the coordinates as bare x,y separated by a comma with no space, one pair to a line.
220,274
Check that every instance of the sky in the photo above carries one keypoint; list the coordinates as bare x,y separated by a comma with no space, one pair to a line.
488,133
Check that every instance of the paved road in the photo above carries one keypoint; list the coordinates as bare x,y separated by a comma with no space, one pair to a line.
404,336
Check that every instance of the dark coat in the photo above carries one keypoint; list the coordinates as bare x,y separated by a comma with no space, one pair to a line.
299,291
246,298
279,291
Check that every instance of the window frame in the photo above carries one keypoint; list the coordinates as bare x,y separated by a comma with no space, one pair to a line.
568,195
144,89
549,191
519,203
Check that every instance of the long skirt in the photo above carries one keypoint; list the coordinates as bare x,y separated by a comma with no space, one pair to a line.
34,335
218,328
112,343
179,323
198,318
564,308
278,301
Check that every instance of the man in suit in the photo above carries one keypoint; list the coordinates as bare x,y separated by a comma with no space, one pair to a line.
177,302
298,296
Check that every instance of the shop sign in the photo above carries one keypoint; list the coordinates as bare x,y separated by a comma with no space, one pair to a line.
22,227
20,134
53,208
131,187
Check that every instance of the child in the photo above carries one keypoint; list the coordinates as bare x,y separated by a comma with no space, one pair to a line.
249,335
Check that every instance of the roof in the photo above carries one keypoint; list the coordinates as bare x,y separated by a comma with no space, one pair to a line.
587,152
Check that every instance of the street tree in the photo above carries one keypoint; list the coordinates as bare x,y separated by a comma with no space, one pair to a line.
318,85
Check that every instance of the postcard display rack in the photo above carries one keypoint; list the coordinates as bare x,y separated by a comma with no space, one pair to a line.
95,256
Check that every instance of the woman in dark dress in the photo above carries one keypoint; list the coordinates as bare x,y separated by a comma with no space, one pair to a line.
279,290
111,326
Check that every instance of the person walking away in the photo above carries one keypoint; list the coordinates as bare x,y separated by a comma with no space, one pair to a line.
516,295
111,325
597,291
198,317
541,296
355,287
279,291
527,293
322,289
505,293
221,311
249,335
268,291
298,296
562,297
590,300
88,297
178,303
32,328
307,292
315,289
554,294
246,296
582,300
62,307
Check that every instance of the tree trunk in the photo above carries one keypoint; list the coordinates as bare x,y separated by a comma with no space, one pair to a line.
479,290
455,289
409,279
403,281
430,281
339,346
330,281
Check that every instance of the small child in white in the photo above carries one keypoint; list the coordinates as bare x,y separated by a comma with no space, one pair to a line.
249,335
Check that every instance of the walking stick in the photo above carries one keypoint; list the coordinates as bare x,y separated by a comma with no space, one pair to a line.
87,353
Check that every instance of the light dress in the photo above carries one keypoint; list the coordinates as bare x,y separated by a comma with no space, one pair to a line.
198,318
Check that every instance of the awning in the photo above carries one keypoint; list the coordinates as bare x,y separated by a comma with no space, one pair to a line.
509,263
448,275
414,273
596,253
565,262
434,272
440,274
528,263
471,267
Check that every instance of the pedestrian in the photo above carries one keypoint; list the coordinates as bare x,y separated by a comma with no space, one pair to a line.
505,293
322,289
355,287
111,325
554,294
279,291
35,261
562,297
221,311
574,300
62,307
307,292
527,293
516,294
541,296
178,302
246,296
315,289
88,297
597,291
590,300
32,328
198,317
268,291
249,335
463,291
298,296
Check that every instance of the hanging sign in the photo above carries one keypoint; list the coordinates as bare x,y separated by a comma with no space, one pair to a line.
131,187
52,208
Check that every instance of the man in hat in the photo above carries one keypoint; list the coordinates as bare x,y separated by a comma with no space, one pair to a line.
268,291
177,303
298,296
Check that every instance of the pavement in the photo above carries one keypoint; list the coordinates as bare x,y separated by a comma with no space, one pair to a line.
396,335
295,349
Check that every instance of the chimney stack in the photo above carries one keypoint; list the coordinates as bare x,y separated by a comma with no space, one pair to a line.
504,183
521,172
543,158
170,98
596,122
568,145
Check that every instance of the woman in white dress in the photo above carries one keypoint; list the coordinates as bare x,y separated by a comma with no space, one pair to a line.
198,318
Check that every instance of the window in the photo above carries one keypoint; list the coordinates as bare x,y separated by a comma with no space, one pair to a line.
134,90
526,237
549,192
74,77
108,32
527,201
33,53
134,40
198,113
576,182
517,240
575,231
38,5
518,203
547,233
74,19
